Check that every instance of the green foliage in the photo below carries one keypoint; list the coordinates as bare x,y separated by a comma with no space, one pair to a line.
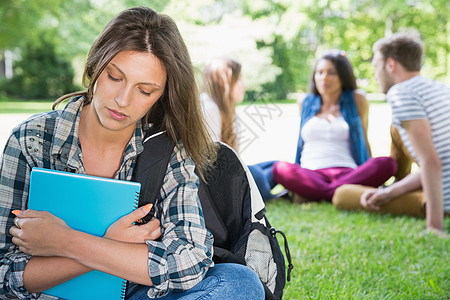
157,5
353,26
26,19
289,34
285,80
345,255
41,73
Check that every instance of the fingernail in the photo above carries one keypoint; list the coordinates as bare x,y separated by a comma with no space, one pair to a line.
148,207
16,212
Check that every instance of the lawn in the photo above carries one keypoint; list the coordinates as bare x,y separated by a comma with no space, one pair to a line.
14,107
348,255
351,255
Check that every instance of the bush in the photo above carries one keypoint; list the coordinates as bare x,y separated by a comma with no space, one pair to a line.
41,74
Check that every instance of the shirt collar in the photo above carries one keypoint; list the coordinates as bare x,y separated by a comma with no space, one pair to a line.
66,142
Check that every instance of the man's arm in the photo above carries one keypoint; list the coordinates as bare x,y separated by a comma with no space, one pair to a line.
420,137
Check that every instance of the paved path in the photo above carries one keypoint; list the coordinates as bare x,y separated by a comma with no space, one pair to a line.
268,132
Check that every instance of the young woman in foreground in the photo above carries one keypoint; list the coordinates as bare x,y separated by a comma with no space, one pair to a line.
138,74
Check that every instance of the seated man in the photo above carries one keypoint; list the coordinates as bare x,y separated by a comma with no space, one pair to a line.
420,110
347,197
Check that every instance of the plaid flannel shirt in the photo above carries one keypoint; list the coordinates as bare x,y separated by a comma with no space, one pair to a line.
178,260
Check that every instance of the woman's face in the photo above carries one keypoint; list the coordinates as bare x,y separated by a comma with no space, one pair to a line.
238,91
326,78
127,88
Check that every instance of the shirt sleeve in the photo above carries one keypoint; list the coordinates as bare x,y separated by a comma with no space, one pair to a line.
14,182
183,255
405,105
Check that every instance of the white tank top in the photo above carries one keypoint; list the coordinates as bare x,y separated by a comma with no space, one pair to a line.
326,144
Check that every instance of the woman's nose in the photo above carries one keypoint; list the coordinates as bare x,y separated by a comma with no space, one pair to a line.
123,99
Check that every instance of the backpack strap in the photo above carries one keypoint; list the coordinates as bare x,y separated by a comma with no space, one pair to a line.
150,171
151,166
274,232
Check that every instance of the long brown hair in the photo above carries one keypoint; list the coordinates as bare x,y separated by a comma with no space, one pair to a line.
343,67
178,110
221,75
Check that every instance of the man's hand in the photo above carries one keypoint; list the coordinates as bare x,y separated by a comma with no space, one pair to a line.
374,198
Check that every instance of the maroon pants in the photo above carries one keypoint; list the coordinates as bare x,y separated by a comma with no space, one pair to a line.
321,184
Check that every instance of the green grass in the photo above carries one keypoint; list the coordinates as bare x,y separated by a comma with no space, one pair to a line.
356,255
345,255
25,107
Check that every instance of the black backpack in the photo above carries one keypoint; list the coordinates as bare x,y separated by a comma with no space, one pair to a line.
233,209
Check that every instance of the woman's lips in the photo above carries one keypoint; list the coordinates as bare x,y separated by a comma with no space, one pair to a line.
116,115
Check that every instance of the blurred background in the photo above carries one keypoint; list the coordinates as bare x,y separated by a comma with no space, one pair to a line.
43,44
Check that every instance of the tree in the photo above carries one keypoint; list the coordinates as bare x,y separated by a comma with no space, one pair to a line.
41,73
304,28
276,40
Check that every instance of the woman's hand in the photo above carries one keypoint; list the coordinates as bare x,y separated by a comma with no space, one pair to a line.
39,233
125,231
374,198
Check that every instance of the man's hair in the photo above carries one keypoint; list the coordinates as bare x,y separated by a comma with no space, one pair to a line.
403,47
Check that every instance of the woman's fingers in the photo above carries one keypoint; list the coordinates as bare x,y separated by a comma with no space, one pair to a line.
152,229
124,229
135,215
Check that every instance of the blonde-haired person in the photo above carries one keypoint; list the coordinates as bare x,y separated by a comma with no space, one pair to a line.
420,110
223,90
138,75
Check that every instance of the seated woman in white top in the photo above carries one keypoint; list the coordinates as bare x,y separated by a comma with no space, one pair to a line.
333,148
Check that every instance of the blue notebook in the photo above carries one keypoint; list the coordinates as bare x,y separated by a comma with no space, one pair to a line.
89,204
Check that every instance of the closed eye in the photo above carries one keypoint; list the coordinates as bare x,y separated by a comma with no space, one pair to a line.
112,78
145,93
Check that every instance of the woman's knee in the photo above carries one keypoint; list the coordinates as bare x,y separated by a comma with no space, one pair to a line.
279,169
238,281
387,164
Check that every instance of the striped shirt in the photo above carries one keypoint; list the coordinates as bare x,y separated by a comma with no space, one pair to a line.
422,98
178,260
